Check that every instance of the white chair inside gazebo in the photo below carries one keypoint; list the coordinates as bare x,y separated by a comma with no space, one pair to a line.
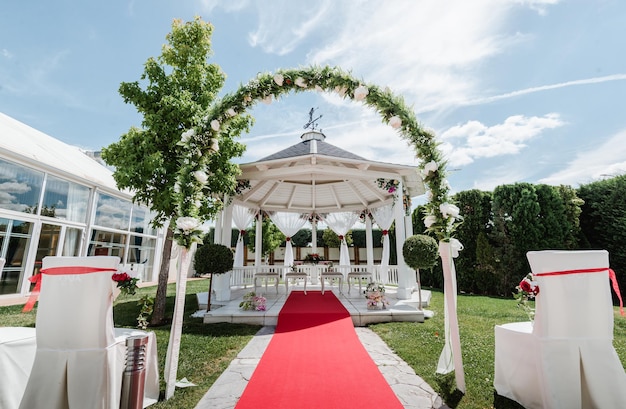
358,274
331,275
266,274
566,358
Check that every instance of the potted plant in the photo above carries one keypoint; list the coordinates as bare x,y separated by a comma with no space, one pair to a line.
420,252
213,259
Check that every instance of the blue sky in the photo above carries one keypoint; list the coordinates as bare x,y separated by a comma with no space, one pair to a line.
516,91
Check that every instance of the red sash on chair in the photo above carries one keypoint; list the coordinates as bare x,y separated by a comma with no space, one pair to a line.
36,279
593,270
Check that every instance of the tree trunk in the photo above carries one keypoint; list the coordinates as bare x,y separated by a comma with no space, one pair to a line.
158,315
208,304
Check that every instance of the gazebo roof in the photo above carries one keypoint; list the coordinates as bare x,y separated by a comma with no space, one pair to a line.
314,176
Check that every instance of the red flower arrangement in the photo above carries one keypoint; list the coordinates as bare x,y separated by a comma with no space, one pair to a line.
126,283
527,290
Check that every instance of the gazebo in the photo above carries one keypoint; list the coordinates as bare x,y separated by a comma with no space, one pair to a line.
313,180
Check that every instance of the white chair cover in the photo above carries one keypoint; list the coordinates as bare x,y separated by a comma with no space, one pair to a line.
568,360
242,217
341,223
78,363
288,224
383,216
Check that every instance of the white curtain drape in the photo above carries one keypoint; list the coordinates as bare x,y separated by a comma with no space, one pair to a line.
450,358
288,224
341,223
383,216
242,217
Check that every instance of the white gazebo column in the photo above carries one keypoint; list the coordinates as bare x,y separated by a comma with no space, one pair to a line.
217,236
369,242
314,279
405,289
258,239
408,229
221,285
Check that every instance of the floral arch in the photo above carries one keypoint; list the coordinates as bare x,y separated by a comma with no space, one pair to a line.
442,216
199,142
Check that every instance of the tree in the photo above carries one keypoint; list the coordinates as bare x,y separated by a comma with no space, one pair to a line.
572,204
603,220
175,94
213,259
271,237
331,239
516,230
420,252
475,206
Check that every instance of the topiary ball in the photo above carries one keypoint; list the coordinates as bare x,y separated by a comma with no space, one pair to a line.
420,251
213,259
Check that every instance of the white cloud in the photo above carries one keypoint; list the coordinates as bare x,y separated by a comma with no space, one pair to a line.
608,159
283,25
229,6
462,144
540,6
401,45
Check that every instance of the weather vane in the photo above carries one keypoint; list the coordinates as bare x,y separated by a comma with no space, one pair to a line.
312,122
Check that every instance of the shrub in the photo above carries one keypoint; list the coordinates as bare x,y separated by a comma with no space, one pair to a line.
420,251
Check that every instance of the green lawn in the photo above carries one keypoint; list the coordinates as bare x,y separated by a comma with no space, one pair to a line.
206,350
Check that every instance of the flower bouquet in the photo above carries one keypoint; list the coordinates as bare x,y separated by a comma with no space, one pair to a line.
126,283
253,302
313,258
375,296
527,290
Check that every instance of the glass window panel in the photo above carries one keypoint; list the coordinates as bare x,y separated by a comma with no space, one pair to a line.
48,243
65,200
20,187
112,212
141,255
106,243
140,223
71,245
17,240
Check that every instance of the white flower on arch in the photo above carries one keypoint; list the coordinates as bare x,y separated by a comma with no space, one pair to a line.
201,177
449,210
187,224
395,122
186,136
361,92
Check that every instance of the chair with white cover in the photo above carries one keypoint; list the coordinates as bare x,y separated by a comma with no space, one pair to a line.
295,274
79,363
566,358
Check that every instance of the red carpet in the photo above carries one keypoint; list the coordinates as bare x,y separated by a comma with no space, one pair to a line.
315,360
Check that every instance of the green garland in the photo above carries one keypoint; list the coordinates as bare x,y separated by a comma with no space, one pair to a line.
442,216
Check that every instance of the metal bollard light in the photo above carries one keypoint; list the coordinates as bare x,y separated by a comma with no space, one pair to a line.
135,372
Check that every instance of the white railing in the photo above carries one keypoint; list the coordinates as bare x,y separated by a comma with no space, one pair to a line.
244,276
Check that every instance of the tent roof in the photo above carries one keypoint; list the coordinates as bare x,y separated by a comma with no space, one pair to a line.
21,143
314,176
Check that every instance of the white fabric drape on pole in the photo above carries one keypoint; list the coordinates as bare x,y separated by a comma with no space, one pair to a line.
341,223
242,217
383,216
288,224
450,358
173,346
